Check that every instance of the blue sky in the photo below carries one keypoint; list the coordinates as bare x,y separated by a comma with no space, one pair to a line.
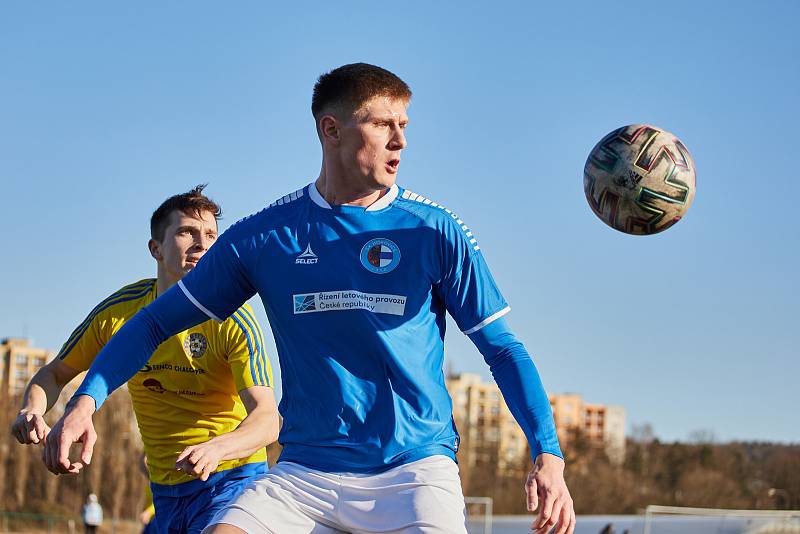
106,109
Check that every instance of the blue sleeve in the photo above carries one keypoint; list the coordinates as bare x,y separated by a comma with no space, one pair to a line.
220,282
519,381
467,287
130,348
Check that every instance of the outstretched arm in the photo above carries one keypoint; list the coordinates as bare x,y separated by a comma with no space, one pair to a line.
130,348
258,429
120,359
40,395
519,381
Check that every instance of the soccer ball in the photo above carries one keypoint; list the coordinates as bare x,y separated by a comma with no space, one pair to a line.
639,179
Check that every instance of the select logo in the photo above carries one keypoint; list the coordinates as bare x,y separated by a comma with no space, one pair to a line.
307,257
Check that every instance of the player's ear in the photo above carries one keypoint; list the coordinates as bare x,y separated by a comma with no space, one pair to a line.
155,249
329,128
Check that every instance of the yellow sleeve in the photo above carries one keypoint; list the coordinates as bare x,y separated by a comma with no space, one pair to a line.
247,355
85,342
102,322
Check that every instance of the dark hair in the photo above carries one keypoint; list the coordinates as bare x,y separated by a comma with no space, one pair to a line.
193,202
350,86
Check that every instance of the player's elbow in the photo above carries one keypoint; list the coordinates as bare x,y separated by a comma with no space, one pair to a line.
272,428
263,426
507,354
48,378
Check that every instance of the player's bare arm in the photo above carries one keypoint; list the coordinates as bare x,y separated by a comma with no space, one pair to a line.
548,495
258,429
75,426
40,395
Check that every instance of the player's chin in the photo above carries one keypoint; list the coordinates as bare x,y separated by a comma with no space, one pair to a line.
385,180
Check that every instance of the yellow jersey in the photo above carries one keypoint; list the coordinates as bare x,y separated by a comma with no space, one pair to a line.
187,393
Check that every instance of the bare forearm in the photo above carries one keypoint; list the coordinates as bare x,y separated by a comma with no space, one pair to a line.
42,393
259,428
256,431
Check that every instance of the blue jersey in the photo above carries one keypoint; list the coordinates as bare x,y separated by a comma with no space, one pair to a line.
356,298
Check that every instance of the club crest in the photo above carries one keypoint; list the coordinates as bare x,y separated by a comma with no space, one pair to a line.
380,255
195,345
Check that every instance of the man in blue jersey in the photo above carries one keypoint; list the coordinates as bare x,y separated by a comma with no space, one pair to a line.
356,275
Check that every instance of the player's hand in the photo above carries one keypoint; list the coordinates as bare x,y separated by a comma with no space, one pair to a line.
29,428
75,426
146,516
547,492
200,460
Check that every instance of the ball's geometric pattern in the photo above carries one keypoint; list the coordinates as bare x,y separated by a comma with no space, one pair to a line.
639,179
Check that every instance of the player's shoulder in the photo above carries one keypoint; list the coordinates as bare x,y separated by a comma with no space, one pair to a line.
118,307
242,321
128,299
435,214
245,311
139,284
423,206
276,213
289,202
241,331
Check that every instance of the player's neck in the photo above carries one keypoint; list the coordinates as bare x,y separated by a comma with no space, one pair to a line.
163,282
338,192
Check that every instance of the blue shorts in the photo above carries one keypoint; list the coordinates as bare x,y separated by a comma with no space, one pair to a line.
188,507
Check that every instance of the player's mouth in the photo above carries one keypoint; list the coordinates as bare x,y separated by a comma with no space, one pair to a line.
392,165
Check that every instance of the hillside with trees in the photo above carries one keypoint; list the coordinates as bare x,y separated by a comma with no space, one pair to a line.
701,473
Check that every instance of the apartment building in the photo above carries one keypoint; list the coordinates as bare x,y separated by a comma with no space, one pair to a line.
599,423
19,361
490,435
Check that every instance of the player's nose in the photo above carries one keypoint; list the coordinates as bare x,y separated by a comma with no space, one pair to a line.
398,140
203,242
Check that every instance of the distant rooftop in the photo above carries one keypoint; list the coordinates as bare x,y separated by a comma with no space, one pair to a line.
16,341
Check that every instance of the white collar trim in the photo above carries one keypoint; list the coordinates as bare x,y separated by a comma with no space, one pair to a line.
379,204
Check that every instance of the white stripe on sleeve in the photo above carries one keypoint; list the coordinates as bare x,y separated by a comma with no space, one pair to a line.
488,320
196,302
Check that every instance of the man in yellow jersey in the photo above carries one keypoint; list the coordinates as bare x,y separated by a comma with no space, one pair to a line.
204,400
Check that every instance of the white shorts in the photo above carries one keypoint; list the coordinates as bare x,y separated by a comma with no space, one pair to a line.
420,497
